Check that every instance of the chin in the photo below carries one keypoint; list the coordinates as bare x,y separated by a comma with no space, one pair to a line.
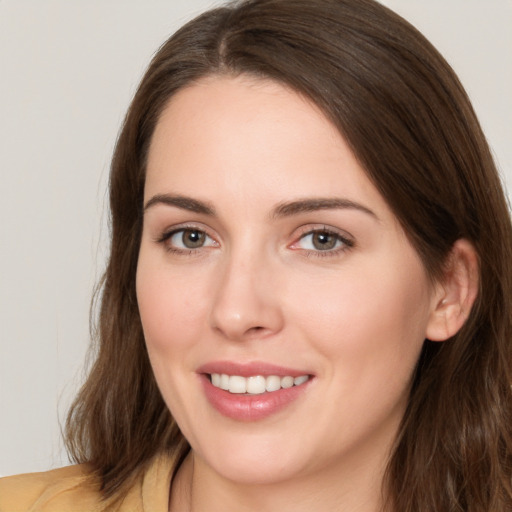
254,461
249,472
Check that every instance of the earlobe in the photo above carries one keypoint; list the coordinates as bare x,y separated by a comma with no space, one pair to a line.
455,294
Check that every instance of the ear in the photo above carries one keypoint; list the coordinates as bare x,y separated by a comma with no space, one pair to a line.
455,293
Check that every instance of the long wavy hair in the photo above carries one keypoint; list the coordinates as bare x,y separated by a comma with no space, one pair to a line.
410,124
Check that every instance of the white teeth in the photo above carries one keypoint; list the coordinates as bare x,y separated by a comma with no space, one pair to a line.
255,385
287,382
273,383
224,382
237,384
300,380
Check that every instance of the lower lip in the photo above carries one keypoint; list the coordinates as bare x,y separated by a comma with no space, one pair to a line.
244,407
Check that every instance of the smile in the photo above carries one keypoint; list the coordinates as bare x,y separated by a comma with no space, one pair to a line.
256,384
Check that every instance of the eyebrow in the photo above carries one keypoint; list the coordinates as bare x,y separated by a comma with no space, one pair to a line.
310,205
282,210
183,202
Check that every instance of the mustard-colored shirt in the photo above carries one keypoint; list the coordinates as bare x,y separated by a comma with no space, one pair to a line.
71,489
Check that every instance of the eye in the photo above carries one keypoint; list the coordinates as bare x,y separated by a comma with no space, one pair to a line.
187,239
323,240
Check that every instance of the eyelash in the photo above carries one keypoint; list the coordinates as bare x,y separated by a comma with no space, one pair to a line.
167,236
346,243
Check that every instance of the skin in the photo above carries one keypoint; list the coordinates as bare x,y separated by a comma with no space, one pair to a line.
355,316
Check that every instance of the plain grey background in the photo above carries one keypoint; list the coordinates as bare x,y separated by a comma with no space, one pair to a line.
67,73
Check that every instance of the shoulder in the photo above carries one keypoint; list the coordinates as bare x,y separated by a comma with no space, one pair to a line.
69,489
77,489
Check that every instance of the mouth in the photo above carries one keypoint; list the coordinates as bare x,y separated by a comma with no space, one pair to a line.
252,391
255,384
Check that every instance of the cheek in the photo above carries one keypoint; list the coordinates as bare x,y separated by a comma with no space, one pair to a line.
172,313
171,306
370,328
370,320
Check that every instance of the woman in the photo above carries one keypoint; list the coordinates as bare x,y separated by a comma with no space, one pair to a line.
307,299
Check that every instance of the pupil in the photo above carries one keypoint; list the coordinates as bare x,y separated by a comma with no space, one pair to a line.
193,239
324,241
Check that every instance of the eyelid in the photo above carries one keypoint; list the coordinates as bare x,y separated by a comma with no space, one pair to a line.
169,232
347,240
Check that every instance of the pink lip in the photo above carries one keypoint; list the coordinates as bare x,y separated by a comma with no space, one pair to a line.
249,369
244,407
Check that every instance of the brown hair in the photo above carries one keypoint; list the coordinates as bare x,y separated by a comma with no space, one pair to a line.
409,122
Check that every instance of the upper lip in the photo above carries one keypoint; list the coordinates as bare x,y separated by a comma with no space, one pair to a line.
249,369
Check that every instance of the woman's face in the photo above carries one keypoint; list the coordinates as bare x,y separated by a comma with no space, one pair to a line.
269,260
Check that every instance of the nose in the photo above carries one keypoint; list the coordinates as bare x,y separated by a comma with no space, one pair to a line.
246,302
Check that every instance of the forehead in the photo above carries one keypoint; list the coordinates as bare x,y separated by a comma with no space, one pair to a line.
246,136
221,111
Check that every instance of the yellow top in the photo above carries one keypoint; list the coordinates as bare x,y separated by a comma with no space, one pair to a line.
71,489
